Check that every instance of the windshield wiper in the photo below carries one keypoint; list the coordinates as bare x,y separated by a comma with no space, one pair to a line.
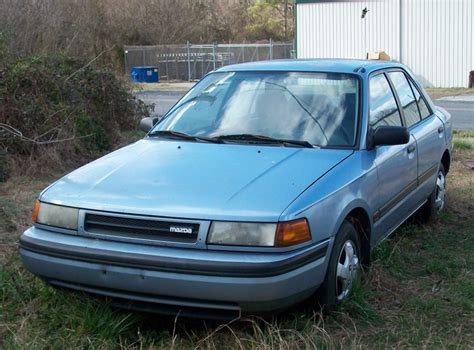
181,136
250,138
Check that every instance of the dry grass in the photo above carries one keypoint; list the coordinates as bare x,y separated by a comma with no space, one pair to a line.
172,86
436,93
419,293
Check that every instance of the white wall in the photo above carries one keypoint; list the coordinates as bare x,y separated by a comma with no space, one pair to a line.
438,40
437,36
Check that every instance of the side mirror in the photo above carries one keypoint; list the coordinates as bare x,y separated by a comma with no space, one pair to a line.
390,135
147,123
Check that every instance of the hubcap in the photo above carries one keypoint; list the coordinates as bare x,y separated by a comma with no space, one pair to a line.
347,269
440,191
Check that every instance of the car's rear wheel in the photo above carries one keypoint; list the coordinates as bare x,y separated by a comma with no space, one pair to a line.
343,268
431,210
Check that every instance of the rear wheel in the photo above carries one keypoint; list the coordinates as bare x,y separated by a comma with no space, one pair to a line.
431,210
343,268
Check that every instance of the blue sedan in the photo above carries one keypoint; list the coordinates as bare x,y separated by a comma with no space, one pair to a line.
266,184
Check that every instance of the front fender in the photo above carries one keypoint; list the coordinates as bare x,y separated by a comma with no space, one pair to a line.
352,184
357,203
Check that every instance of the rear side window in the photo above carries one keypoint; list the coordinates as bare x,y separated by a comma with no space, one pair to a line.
383,106
424,110
407,99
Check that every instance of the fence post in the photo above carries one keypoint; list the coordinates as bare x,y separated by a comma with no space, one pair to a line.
271,49
125,63
144,60
167,68
176,65
189,60
214,56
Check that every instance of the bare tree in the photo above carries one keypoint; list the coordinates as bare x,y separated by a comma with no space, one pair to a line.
87,28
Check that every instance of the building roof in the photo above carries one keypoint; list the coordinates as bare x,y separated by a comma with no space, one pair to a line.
312,65
309,1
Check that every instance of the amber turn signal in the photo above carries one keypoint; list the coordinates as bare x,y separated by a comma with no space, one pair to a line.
36,208
292,232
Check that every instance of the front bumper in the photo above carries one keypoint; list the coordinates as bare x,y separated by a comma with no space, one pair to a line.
180,279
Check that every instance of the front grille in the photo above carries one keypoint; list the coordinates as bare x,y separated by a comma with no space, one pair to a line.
141,228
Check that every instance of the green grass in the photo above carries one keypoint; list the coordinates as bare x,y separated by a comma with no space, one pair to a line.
462,144
463,133
463,140
419,293
45,317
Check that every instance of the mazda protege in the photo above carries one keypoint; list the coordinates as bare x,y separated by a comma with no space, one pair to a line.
268,183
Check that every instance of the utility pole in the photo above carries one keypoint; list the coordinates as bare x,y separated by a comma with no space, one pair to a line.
286,20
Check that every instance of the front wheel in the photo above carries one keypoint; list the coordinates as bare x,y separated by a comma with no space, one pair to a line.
343,268
431,210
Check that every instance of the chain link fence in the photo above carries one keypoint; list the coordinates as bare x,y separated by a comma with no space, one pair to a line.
192,62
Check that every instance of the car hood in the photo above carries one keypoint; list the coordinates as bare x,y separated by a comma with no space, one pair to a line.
195,180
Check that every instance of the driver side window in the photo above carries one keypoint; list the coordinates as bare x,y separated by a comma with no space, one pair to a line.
382,103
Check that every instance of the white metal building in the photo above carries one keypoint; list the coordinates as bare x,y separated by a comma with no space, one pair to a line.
435,38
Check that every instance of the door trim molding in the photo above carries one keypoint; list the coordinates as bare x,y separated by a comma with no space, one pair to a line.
427,174
384,209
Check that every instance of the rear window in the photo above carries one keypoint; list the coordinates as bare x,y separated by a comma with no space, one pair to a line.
424,110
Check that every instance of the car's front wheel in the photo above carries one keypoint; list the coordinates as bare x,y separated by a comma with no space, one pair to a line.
343,268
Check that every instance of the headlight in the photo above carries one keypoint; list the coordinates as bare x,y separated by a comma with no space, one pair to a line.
55,215
283,234
242,233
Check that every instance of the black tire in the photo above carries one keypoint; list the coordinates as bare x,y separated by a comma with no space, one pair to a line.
431,210
328,295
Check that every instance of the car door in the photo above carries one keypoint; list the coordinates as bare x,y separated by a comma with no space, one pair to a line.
426,128
396,165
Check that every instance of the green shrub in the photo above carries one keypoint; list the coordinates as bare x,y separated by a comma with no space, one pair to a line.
93,136
62,111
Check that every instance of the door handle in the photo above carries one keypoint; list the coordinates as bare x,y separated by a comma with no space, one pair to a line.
411,148
440,129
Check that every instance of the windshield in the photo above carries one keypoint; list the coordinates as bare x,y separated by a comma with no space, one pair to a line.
318,108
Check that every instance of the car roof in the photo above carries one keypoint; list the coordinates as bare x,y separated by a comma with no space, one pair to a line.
337,65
